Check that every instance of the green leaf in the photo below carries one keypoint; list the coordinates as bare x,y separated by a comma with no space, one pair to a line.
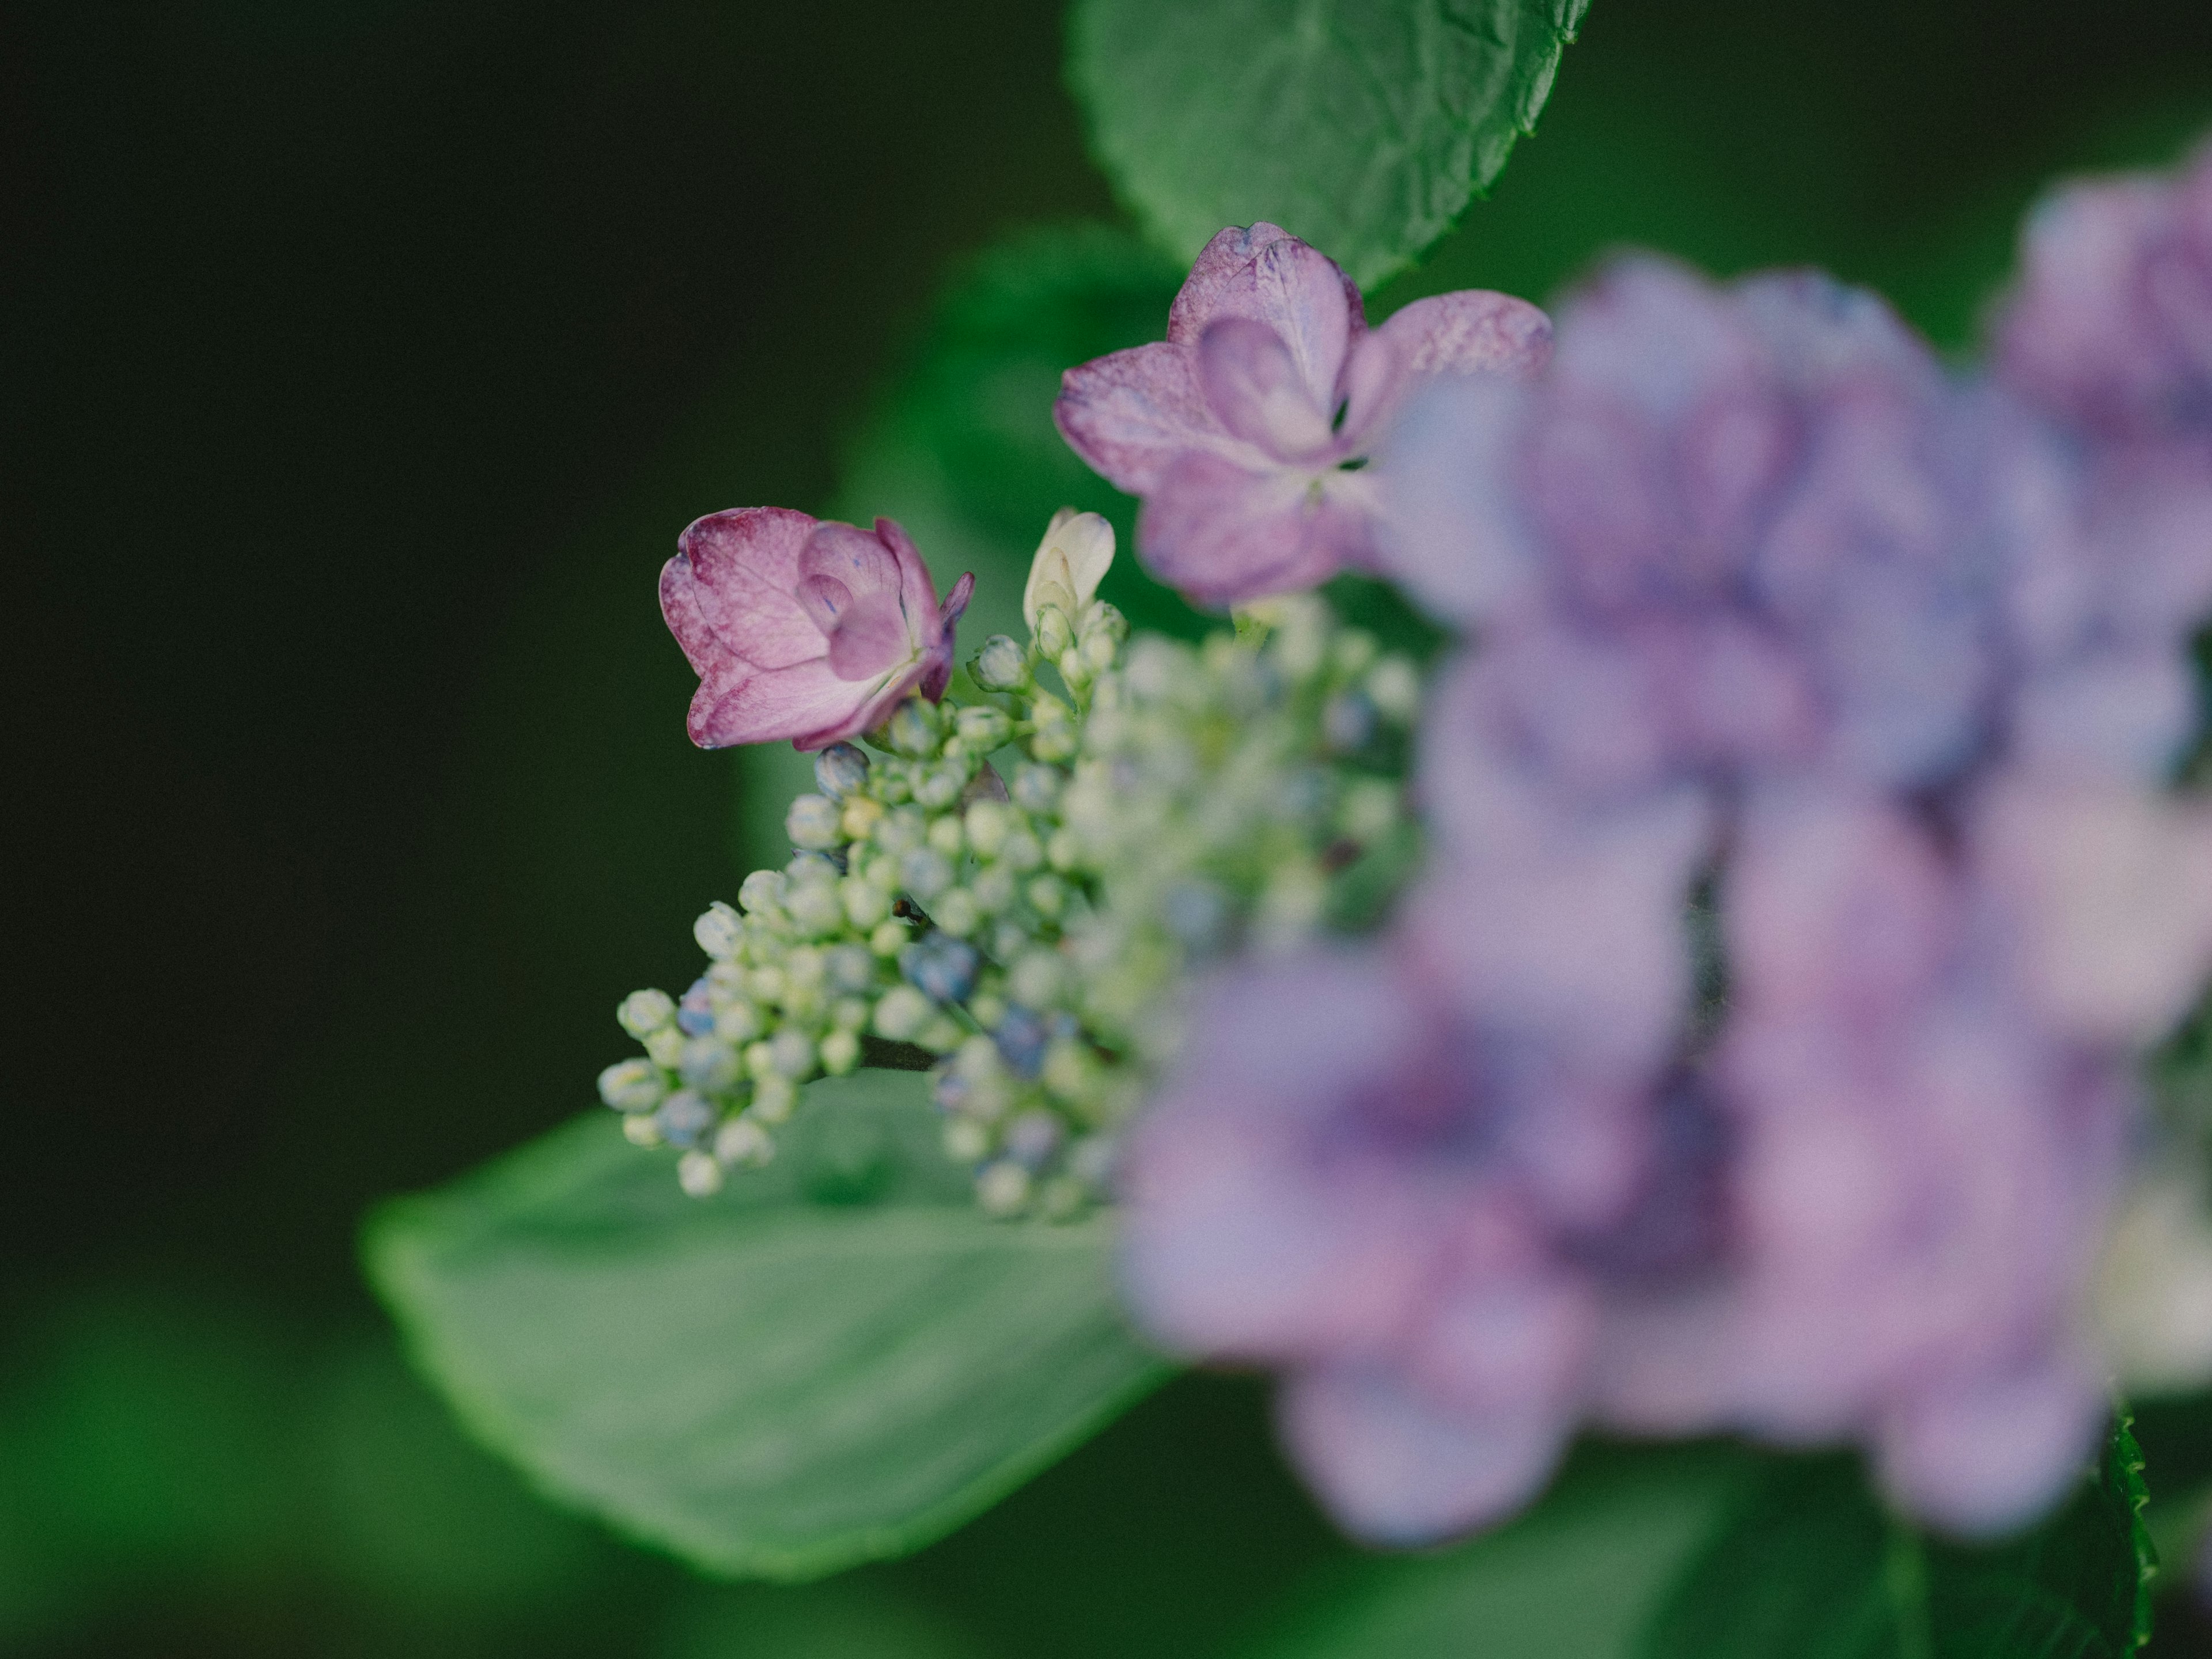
1365,126
960,447
1576,1574
1814,1567
836,1359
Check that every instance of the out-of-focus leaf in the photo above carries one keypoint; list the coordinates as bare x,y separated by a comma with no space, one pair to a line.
1815,1568
1365,126
837,1358
1576,1574
960,447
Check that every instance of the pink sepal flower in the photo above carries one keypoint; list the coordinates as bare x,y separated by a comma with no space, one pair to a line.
804,629
1246,430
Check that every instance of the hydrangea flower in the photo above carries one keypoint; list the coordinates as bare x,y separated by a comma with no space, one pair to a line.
1337,1182
804,629
2110,325
1801,900
1247,431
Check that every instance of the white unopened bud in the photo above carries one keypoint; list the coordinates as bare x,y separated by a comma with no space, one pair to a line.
718,932
640,1130
699,1174
1394,687
1002,1188
956,912
742,1141
762,892
632,1086
665,1047
902,1013
1055,632
812,823
966,1141
791,1053
1069,564
644,1013
983,728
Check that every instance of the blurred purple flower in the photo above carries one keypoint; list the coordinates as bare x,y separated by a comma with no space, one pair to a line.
1246,430
804,629
1339,1181
2109,324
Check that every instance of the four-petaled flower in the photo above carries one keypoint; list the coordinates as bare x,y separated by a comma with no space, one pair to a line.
804,629
1246,430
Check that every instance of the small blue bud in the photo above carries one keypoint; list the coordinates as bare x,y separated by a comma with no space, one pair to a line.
1195,912
1022,1036
912,729
1036,787
1002,665
950,1091
707,1063
684,1116
941,967
1032,1138
1347,723
695,1014
840,770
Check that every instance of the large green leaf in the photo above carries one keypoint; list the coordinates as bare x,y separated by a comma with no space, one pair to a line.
837,1358
1576,1575
1815,1568
1365,126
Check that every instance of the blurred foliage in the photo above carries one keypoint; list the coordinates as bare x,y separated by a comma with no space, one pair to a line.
838,1358
1815,1565
366,359
1364,126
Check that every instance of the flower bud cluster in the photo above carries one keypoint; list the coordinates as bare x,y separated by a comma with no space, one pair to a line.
1008,928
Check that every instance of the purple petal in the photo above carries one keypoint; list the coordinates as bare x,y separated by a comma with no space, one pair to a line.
1269,276
824,599
852,557
1254,389
1991,1455
1395,1469
739,703
1224,533
729,589
869,638
1470,333
1129,415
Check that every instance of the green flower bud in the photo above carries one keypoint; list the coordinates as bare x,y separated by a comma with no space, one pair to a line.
766,984
708,1065
956,912
1034,980
987,825
889,937
947,836
994,889
643,1012
850,1013
775,1097
966,1141
1064,851
983,728
941,786
1074,668
1002,665
1022,852
841,1052
926,872
791,1054
1055,632
632,1086
914,728
815,909
1393,685
1098,651
1037,788
640,1130
812,823
665,1047
1048,894
738,1021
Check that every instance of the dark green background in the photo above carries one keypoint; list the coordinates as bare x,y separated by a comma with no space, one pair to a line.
360,361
